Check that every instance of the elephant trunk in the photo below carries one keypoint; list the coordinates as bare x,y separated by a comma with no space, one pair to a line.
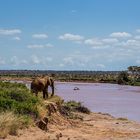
50,82
52,88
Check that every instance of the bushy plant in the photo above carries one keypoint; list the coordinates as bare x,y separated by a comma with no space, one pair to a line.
123,77
16,97
10,123
75,106
56,99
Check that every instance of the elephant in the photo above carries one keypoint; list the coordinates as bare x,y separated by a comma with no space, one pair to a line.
41,85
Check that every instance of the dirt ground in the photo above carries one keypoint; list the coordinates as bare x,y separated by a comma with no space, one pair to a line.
95,126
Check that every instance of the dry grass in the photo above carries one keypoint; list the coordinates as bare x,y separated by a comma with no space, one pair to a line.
122,119
10,123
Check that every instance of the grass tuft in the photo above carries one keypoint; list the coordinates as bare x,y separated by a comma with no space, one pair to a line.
76,106
72,106
10,123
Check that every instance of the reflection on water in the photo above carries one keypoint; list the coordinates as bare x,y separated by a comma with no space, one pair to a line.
118,100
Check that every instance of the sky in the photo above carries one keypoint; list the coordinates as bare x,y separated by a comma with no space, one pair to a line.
69,34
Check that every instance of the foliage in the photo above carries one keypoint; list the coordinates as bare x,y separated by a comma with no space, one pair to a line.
134,69
136,83
85,76
134,73
71,106
17,107
123,78
17,98
56,99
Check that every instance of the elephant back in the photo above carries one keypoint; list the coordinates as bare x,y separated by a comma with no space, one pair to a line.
37,84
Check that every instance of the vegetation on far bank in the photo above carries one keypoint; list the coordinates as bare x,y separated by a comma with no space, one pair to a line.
78,76
130,77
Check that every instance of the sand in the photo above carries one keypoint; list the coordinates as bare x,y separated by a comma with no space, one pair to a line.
95,126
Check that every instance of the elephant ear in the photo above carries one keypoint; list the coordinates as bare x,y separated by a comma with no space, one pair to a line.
52,81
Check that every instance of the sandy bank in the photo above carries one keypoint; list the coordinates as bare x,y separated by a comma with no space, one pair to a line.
95,126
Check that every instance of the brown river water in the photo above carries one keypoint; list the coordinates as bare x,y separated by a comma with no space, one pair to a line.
117,100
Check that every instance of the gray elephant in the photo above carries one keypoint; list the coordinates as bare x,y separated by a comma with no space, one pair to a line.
41,85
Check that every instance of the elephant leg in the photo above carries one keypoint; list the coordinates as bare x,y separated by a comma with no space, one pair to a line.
34,92
45,93
52,91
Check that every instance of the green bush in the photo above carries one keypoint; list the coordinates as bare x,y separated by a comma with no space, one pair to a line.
75,106
123,78
16,97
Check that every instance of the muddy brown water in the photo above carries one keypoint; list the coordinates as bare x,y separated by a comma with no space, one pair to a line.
117,100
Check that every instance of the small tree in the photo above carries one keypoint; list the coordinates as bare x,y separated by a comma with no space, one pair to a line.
123,77
134,69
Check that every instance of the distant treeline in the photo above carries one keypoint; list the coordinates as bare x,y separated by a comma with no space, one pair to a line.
130,76
89,76
49,72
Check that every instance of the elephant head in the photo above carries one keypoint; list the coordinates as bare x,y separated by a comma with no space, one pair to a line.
41,85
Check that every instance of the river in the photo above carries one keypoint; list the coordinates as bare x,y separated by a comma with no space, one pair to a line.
117,100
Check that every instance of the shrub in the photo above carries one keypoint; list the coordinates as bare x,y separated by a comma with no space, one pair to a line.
17,98
17,107
123,78
83,109
56,99
75,106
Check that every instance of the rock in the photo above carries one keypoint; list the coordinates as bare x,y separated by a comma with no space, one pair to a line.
52,108
76,88
42,124
60,135
45,119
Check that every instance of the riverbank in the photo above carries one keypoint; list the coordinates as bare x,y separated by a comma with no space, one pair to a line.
95,126
29,79
117,100
53,119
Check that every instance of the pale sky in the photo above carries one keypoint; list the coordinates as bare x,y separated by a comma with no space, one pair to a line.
69,34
